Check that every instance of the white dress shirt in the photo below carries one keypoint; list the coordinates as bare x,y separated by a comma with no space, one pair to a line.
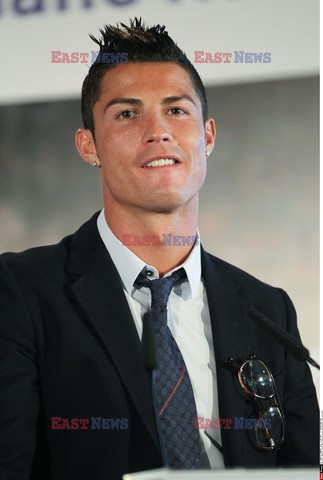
188,320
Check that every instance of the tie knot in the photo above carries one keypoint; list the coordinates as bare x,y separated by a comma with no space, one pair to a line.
160,288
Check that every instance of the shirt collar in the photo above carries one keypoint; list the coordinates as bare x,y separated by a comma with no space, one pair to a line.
129,265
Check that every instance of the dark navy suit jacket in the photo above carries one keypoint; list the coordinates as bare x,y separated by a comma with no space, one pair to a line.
69,348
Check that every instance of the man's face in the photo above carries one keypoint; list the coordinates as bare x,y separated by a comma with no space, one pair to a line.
148,112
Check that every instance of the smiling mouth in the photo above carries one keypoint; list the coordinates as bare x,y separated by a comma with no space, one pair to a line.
162,162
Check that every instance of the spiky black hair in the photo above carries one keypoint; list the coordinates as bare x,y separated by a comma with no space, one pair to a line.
141,44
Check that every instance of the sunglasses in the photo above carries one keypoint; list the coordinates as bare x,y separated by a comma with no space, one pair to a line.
257,381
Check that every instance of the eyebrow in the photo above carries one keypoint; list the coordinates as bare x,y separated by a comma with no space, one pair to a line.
138,103
121,100
177,98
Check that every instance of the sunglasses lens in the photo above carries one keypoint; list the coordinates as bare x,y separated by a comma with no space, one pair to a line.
270,429
257,379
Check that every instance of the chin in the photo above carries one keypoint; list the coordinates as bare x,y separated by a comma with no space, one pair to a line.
169,205
163,208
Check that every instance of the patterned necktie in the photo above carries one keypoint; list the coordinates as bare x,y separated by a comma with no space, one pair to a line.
174,393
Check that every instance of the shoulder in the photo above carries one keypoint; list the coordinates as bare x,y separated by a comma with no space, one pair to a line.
255,291
44,264
38,259
234,272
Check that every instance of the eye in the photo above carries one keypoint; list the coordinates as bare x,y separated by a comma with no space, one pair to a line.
126,114
177,111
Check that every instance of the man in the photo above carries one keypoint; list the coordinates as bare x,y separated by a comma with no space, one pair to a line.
76,399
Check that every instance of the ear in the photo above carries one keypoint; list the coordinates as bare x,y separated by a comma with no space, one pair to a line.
210,133
85,145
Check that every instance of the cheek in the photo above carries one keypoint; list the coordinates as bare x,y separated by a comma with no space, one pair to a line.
198,147
125,135
200,176
114,137
196,137
116,152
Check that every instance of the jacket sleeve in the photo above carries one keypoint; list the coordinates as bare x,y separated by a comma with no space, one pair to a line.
300,406
19,396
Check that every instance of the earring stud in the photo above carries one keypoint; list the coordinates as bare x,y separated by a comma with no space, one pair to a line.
94,164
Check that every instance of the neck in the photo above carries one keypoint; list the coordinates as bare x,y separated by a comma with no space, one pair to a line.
163,240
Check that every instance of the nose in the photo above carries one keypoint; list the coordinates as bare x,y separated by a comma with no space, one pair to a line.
157,129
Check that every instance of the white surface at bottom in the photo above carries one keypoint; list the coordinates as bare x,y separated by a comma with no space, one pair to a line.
234,474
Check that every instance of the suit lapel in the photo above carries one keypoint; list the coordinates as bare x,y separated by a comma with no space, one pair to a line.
231,338
96,287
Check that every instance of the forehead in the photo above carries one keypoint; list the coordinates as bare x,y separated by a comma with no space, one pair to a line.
149,78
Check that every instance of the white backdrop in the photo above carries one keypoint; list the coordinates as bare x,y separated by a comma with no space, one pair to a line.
31,29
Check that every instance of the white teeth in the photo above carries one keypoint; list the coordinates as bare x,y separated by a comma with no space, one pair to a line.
161,162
